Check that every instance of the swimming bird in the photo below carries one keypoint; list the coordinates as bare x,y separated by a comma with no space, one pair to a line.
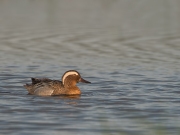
48,87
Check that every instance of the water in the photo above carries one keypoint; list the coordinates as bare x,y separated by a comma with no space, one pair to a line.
129,50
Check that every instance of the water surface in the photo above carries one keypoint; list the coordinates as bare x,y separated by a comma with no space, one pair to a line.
129,50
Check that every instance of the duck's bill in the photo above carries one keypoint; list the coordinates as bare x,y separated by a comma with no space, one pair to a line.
83,81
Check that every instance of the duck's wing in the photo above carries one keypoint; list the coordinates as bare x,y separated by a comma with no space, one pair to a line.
35,81
45,88
44,91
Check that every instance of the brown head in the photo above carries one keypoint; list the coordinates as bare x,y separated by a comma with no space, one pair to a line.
71,77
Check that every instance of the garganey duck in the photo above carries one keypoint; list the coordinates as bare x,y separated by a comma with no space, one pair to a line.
48,87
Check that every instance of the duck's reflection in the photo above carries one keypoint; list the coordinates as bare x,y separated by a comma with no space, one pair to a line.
68,96
70,99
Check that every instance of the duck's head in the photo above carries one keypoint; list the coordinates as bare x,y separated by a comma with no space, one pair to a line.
72,77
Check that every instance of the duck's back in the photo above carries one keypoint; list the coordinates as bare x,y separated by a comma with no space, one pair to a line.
45,87
40,80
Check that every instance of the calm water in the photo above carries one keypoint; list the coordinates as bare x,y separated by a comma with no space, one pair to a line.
129,50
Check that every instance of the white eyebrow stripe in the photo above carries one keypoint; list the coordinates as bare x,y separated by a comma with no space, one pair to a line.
67,74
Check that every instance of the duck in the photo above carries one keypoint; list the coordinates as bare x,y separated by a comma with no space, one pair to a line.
48,87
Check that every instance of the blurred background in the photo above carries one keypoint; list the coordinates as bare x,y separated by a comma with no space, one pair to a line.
39,31
128,49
